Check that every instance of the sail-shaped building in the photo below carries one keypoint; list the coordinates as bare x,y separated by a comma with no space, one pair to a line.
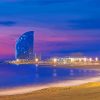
24,46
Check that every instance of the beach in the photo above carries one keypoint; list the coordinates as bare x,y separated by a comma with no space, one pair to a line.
73,90
89,91
86,88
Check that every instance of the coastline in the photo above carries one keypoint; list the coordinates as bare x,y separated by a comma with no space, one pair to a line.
30,89
87,66
89,91
79,89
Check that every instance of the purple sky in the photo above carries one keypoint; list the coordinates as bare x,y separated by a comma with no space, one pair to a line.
61,26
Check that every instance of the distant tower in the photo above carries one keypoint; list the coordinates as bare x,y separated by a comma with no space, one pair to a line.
24,46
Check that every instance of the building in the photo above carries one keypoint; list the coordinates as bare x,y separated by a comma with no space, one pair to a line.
73,60
24,46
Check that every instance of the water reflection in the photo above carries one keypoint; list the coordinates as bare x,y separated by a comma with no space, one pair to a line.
54,73
14,75
71,72
37,73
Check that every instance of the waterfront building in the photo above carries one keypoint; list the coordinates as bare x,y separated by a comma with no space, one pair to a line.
69,60
24,46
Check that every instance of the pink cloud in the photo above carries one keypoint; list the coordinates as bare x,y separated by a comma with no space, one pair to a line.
45,39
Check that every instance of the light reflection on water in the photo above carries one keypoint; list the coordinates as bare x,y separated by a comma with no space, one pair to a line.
19,75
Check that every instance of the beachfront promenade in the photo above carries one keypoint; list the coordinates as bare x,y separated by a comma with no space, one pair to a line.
53,63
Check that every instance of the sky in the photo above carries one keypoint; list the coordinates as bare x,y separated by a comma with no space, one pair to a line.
61,27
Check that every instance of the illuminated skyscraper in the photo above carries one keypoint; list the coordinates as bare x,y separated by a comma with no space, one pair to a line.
24,46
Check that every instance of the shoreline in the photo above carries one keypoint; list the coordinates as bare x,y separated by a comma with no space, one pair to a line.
91,66
68,83
33,88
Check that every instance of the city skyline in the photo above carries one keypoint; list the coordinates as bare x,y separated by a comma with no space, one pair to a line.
61,27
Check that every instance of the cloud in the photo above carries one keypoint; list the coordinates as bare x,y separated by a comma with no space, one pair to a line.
48,2
84,24
8,0
7,23
74,24
62,15
42,2
67,47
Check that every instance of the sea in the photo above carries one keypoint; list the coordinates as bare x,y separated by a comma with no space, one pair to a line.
12,75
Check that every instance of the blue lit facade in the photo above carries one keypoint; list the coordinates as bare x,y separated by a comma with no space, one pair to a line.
25,45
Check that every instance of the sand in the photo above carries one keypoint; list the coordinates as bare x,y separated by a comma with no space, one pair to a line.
29,89
89,91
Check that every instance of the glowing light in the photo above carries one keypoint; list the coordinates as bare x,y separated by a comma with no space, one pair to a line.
96,59
64,62
55,60
80,60
90,59
17,60
85,59
72,60
36,59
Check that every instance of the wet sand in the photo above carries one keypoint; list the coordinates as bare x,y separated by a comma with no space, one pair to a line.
29,89
89,91
66,90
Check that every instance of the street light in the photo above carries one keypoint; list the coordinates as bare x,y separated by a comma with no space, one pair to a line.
96,59
55,60
17,60
90,59
36,59
85,59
